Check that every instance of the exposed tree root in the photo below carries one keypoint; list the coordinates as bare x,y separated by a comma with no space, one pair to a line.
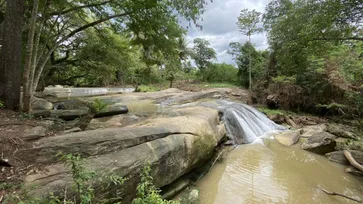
352,161
358,200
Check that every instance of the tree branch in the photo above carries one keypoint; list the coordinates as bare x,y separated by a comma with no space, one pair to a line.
358,200
43,62
352,161
79,7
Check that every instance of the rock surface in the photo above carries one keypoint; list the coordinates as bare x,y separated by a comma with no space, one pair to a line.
174,144
34,133
288,138
308,131
338,156
340,131
320,142
41,104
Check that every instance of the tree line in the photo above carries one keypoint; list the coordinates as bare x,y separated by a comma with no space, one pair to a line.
314,59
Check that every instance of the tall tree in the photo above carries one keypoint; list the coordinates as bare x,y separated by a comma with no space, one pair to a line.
10,64
248,25
203,54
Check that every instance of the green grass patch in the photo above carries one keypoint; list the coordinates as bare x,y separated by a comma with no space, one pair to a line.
268,111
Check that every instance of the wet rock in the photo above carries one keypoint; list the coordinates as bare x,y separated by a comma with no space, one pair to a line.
41,104
189,196
340,131
288,138
308,131
34,133
172,145
112,110
338,156
320,143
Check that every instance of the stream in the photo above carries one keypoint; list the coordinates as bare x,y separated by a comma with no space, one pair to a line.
267,172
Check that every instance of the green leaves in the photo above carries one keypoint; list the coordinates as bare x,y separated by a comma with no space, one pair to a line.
203,53
248,22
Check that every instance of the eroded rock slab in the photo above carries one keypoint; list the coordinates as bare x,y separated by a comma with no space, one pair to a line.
320,142
174,144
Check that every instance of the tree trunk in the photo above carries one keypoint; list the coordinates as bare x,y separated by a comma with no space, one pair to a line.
11,53
27,92
250,63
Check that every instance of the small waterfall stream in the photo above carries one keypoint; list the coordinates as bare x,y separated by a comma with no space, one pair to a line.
244,124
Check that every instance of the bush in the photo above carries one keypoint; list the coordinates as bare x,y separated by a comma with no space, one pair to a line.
146,191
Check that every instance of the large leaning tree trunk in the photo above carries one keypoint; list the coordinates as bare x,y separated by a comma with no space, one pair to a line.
11,53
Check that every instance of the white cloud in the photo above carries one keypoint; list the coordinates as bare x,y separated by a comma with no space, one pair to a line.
219,26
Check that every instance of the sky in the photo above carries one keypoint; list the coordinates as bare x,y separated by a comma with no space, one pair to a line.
219,26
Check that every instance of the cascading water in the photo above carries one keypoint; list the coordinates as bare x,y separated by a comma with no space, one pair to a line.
244,124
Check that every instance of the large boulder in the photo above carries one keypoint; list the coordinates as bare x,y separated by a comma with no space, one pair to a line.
320,142
173,144
41,104
288,138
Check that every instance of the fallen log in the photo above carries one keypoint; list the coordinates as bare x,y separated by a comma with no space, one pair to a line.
352,161
358,200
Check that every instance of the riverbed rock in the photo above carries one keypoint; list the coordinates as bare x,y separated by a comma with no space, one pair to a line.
172,145
320,143
340,131
288,138
338,156
41,104
112,110
308,131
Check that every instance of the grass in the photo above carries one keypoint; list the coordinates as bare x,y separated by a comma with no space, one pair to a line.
268,111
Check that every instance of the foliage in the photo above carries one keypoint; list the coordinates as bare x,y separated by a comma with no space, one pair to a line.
317,45
146,191
203,54
221,73
2,105
240,54
99,105
248,22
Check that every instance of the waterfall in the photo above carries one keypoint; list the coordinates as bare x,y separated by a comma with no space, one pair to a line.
244,124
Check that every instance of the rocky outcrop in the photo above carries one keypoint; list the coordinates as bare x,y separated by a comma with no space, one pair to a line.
288,138
338,156
320,142
174,144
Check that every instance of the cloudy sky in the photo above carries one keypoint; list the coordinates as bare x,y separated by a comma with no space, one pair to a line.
219,26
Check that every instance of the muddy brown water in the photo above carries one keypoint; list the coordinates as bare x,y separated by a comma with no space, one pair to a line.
267,172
